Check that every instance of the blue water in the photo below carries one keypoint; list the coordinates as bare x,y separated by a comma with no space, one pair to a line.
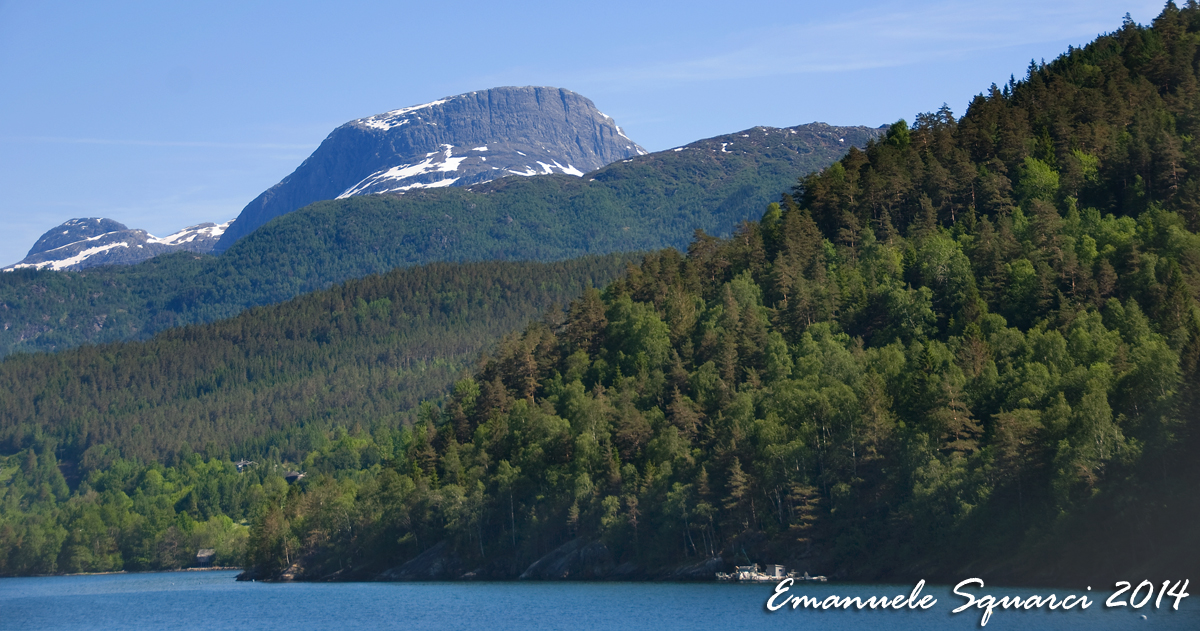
209,600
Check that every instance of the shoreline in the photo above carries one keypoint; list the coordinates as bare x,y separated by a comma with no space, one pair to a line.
182,569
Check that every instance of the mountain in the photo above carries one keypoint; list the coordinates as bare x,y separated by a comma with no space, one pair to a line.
453,141
641,203
81,243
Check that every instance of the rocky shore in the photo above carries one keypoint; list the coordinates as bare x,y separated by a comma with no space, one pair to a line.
577,559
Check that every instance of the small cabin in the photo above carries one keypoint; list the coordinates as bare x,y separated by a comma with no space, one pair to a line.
205,556
242,464
776,571
293,476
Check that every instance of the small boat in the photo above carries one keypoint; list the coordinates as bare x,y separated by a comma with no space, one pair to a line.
806,577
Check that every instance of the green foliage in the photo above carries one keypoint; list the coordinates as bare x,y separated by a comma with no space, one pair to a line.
1036,180
693,419
276,384
280,379
125,517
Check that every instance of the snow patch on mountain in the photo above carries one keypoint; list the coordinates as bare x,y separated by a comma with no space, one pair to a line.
438,184
95,238
395,118
569,169
431,164
62,264
191,233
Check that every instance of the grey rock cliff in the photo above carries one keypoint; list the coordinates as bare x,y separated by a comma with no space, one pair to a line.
455,141
575,559
438,563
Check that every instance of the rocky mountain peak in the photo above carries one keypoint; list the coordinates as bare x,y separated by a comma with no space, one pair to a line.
89,242
455,141
74,230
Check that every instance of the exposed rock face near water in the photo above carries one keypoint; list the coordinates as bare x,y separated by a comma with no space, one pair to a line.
455,141
575,559
438,563
703,570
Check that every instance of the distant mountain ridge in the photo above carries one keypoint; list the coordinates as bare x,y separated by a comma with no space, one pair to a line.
90,242
455,141
635,204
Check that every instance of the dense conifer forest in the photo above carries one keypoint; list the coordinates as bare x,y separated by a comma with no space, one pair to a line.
138,440
972,346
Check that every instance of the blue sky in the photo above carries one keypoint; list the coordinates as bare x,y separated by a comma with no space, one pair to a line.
163,114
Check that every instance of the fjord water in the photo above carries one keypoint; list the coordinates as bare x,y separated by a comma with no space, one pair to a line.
204,600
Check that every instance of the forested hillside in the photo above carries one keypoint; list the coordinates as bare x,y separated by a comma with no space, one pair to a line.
362,354
122,455
972,347
644,203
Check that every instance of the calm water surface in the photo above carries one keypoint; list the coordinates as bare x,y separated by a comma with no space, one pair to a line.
208,600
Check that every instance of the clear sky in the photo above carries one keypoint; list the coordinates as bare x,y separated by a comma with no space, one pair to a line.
166,114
